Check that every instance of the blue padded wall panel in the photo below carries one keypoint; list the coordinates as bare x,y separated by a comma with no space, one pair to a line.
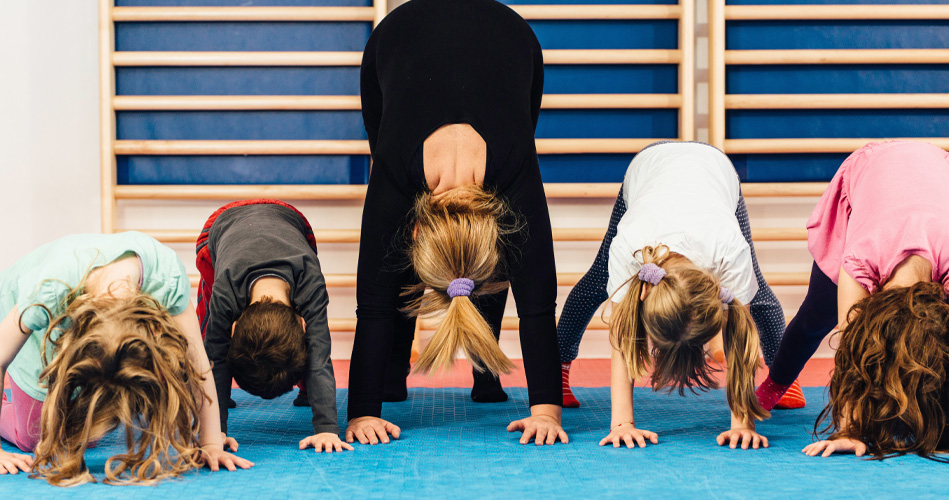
774,124
237,81
607,123
584,167
764,35
787,167
243,3
606,34
240,125
243,169
841,79
243,36
611,79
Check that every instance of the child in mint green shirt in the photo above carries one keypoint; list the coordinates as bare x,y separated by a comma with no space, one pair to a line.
122,343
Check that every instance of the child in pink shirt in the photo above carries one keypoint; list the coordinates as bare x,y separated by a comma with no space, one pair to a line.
880,241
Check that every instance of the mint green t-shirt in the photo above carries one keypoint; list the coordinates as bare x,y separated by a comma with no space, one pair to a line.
45,276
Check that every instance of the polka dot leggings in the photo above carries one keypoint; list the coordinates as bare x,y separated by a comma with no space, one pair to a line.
590,292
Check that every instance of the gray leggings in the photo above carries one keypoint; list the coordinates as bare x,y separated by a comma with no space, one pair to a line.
590,292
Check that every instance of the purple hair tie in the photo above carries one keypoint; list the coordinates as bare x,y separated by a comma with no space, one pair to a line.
651,273
726,296
460,286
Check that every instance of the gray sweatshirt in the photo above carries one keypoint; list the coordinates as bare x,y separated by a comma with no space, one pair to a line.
252,241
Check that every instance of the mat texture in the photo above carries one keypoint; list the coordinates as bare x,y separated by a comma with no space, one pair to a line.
453,447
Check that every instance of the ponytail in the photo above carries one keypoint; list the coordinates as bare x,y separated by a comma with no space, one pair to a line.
458,239
742,353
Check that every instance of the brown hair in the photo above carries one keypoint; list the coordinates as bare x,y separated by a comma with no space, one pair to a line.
889,387
118,361
680,316
458,236
267,354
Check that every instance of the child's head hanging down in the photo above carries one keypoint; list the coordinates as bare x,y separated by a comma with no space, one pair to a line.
456,252
680,308
118,360
267,355
889,388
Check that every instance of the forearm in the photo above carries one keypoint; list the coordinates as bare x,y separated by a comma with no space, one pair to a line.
621,391
205,394
738,423
543,410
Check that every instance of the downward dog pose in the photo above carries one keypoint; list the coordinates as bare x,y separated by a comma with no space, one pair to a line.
97,331
262,307
881,271
451,93
678,265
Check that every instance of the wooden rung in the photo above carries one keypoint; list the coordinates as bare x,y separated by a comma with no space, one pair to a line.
563,279
610,101
605,146
351,102
324,192
594,12
782,189
321,58
613,56
560,234
835,12
544,146
127,147
838,56
206,14
836,101
230,102
168,58
753,146
778,234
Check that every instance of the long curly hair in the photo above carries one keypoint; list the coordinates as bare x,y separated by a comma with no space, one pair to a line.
680,316
118,361
889,386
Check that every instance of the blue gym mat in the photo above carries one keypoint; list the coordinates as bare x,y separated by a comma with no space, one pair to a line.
451,447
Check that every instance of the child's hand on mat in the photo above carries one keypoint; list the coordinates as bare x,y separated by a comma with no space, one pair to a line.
627,432
371,430
842,445
743,435
325,440
543,428
229,442
13,463
214,456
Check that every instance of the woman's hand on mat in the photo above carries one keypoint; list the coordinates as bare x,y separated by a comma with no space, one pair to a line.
229,442
627,432
744,436
841,445
12,463
214,456
328,441
371,430
543,426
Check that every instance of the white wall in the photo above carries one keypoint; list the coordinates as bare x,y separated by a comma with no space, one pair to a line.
49,166
49,122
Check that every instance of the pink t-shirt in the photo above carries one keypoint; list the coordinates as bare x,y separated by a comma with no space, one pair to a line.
888,200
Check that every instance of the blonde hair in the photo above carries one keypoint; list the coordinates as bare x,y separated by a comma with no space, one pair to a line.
458,236
118,360
680,316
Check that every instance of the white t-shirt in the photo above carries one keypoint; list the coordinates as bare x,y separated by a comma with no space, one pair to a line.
683,195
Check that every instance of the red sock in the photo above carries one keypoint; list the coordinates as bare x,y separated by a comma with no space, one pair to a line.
569,401
769,392
793,398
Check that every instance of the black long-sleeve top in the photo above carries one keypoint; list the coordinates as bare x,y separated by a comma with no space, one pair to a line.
250,242
431,63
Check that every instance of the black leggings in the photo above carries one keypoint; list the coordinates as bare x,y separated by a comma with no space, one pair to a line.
590,292
814,320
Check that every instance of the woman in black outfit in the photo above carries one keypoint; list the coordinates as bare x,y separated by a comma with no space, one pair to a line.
451,92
